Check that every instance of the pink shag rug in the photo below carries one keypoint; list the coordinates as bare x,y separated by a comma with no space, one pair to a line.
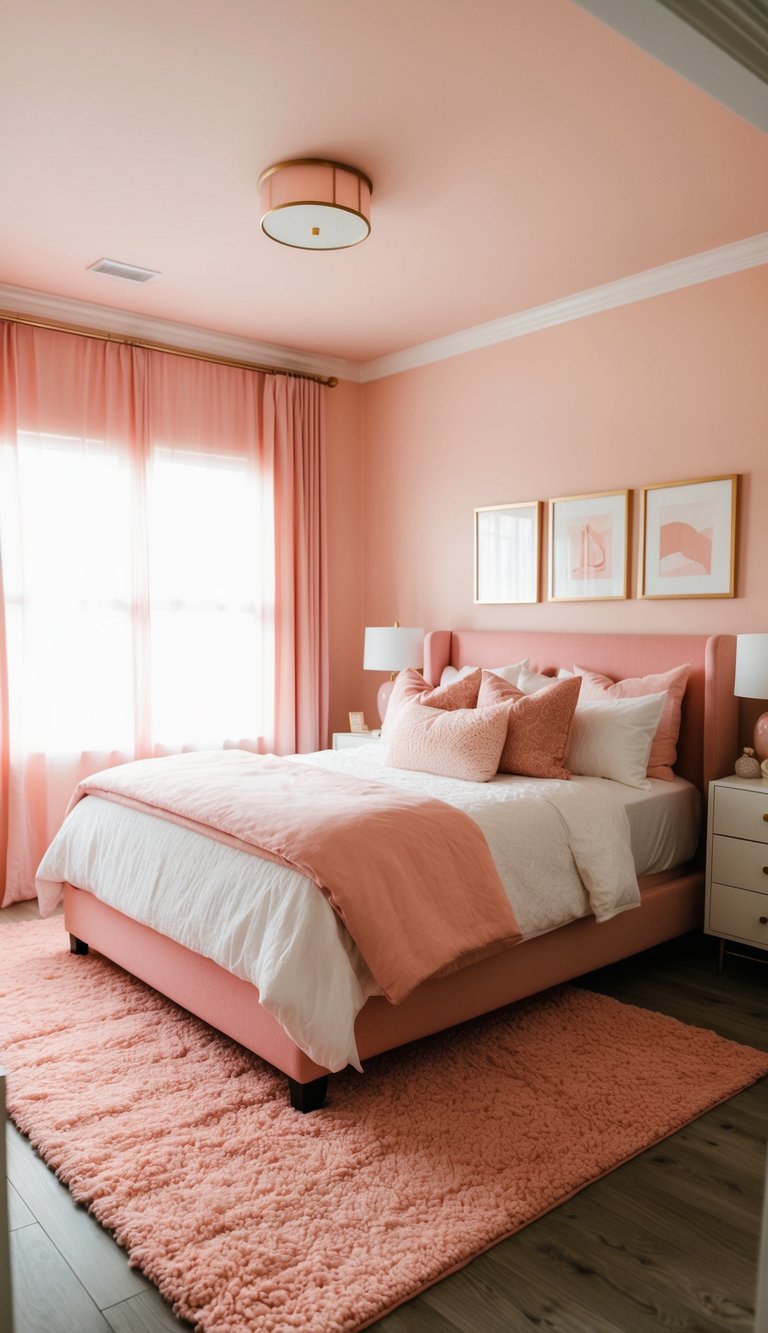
249,1216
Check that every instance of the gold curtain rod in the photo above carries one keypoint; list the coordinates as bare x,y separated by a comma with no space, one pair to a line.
13,317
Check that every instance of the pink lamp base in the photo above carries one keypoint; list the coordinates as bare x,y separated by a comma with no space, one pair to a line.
761,736
383,696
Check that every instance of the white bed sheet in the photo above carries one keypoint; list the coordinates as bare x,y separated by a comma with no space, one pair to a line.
664,822
269,924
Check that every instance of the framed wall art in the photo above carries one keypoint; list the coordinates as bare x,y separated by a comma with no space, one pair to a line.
589,547
688,538
507,544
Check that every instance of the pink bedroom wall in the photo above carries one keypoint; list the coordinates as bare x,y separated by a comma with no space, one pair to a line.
345,528
666,389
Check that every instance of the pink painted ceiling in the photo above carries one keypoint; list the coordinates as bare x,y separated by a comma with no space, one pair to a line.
519,151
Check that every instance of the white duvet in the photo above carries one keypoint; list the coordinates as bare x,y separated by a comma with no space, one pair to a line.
562,850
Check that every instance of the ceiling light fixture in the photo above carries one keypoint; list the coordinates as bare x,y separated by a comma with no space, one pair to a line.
314,204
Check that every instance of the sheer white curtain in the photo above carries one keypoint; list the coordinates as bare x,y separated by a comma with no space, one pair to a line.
139,531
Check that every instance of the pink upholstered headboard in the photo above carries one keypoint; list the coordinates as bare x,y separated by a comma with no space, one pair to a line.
709,731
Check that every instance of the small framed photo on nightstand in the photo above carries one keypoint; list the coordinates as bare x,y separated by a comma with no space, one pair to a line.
357,722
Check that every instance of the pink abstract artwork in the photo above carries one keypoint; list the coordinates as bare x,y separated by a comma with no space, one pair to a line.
689,539
590,548
685,541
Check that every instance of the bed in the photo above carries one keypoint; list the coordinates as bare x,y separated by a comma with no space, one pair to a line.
671,900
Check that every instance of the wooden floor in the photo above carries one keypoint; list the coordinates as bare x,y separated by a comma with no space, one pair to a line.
668,1241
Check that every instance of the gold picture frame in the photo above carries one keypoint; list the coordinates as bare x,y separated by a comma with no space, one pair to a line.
508,553
357,723
589,547
688,538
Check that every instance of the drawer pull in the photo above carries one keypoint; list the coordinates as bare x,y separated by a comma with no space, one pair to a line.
765,817
763,920
765,870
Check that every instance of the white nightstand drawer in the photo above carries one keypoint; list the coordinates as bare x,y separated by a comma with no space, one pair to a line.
741,863
350,740
741,813
740,913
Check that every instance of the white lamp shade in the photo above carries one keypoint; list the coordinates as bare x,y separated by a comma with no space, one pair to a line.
392,648
751,666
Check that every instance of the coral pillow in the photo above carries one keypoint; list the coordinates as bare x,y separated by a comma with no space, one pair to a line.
410,684
463,743
494,689
539,726
458,694
661,760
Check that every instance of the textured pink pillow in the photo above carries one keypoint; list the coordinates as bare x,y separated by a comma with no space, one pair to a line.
496,690
539,727
458,694
663,754
410,684
460,743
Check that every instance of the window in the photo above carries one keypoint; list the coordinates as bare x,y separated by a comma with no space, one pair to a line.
90,556
206,594
163,549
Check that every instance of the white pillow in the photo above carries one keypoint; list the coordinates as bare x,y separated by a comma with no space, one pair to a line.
530,682
612,739
507,673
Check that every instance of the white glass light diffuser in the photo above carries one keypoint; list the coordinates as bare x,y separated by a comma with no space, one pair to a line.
313,204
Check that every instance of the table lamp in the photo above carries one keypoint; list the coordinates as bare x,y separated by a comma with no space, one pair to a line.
751,681
392,648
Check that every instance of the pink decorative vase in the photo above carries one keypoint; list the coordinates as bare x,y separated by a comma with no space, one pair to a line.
761,736
382,698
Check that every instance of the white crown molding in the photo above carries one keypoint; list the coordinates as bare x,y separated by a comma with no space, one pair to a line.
704,267
128,324
688,272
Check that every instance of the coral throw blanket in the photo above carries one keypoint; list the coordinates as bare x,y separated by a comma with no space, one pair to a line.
412,878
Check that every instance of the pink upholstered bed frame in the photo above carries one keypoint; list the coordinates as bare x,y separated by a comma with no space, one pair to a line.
671,902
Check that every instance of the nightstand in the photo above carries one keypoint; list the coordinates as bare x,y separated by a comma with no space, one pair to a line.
737,864
349,740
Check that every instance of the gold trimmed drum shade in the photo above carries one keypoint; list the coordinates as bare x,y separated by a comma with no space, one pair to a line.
314,204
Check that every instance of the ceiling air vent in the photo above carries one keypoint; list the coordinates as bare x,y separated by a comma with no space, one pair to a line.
115,269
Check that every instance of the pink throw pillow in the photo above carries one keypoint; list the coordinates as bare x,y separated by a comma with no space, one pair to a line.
458,694
410,684
460,743
663,754
495,690
539,727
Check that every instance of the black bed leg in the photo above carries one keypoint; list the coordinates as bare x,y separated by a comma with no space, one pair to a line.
308,1096
76,945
